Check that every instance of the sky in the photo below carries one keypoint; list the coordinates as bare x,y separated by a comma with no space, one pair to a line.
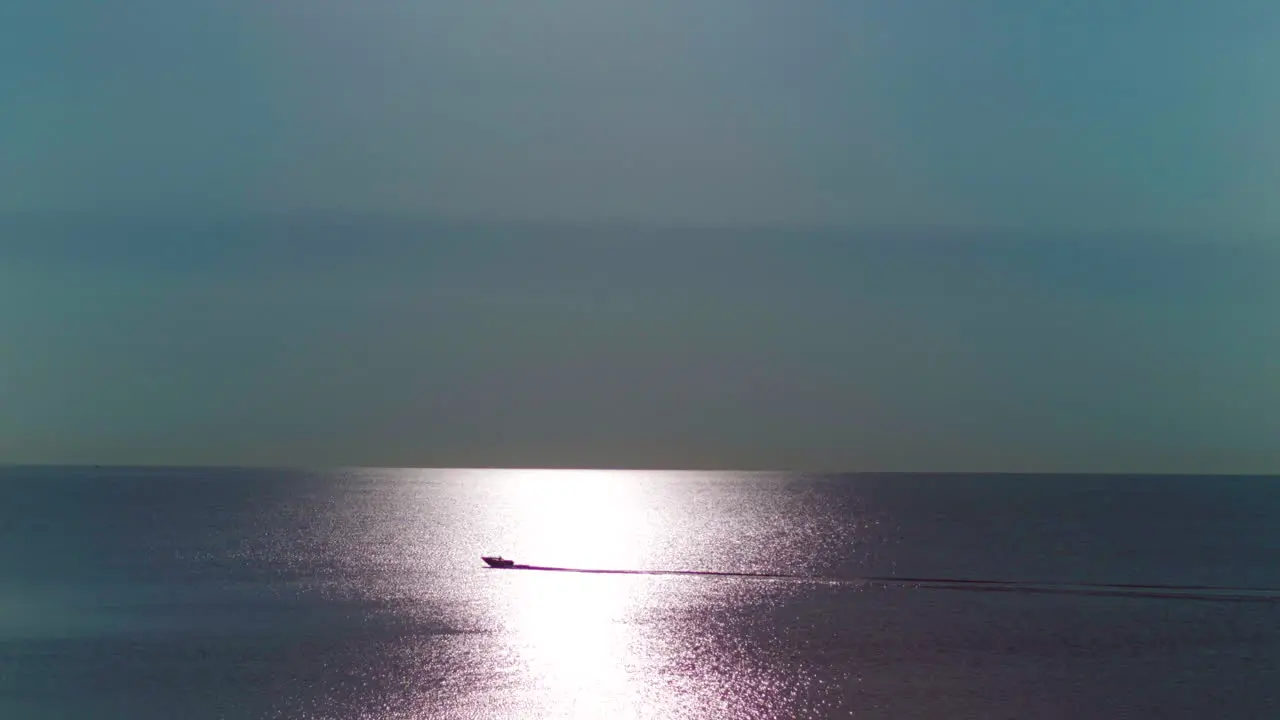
993,235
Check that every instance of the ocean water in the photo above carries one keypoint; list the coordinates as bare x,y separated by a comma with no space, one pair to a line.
220,593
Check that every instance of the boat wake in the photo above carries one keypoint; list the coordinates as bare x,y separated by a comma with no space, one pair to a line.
1210,593
711,573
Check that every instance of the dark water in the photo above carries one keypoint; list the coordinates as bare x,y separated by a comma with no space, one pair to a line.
360,594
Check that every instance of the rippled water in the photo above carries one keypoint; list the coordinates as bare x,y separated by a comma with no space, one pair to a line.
360,594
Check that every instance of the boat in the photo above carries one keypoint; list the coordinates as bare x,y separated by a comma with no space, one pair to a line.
497,561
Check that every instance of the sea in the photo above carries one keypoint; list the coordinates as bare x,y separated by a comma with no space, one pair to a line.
203,593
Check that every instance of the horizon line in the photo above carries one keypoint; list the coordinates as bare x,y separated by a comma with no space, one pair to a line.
735,471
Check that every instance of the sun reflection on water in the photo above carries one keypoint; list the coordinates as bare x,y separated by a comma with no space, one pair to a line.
574,635
588,519
527,643
585,645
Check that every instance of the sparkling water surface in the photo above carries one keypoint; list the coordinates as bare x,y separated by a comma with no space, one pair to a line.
218,593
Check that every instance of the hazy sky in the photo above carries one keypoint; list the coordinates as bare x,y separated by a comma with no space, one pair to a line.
1148,114
1050,233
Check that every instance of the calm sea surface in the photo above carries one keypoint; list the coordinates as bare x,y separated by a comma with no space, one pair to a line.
195,594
